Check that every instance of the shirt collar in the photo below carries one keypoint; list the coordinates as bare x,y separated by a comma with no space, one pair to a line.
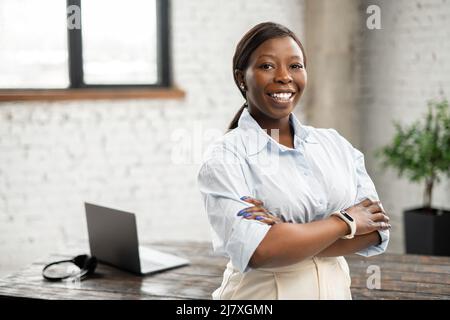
258,139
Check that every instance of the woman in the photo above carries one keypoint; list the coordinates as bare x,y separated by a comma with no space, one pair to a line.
285,201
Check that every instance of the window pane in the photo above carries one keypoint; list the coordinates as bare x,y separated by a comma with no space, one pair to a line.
33,44
119,42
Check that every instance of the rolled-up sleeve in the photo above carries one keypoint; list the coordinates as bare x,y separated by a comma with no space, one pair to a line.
366,189
222,183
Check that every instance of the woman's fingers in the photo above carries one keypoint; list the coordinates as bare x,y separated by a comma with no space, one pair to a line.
365,203
383,225
260,215
375,207
256,202
253,215
254,209
267,220
378,217
258,212
381,206
251,210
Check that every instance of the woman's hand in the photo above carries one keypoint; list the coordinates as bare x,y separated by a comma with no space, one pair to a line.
369,216
258,212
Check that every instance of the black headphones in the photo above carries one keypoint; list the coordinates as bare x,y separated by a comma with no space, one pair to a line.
84,262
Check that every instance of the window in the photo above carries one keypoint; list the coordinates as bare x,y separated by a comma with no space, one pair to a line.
33,45
116,44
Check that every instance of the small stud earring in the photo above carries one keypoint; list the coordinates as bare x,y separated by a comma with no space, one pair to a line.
242,86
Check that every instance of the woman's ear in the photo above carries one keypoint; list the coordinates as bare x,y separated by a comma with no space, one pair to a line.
239,76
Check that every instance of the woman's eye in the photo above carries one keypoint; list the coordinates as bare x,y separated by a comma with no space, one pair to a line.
266,66
297,66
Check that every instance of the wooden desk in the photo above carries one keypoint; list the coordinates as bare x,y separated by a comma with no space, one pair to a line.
402,277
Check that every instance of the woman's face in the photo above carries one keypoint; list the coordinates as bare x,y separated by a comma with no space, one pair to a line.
275,78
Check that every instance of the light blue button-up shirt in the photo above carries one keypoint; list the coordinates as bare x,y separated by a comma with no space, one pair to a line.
322,174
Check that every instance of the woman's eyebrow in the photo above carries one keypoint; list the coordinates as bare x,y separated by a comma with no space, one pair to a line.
274,56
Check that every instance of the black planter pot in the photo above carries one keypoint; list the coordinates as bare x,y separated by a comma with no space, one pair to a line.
427,231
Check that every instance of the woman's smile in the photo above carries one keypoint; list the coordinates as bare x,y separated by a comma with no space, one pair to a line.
281,98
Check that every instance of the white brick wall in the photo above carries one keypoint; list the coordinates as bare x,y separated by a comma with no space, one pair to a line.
402,66
54,156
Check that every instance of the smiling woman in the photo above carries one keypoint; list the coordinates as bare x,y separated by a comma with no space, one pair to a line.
285,201
256,59
274,81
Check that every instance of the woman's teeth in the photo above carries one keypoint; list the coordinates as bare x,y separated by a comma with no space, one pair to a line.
282,96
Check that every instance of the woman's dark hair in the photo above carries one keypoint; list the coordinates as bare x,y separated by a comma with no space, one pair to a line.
249,42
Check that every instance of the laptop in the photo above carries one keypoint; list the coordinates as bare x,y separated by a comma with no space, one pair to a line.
113,239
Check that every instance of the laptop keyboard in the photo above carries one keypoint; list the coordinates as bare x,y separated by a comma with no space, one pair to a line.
148,264
154,259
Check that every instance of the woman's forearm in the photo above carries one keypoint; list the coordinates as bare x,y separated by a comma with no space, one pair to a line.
348,246
288,243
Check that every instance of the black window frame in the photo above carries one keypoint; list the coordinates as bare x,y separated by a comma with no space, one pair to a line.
75,52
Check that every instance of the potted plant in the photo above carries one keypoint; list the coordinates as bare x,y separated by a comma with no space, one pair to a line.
421,151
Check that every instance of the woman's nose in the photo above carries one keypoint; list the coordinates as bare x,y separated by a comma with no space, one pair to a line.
283,76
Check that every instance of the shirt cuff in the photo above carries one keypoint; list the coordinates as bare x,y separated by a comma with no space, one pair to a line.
245,238
376,249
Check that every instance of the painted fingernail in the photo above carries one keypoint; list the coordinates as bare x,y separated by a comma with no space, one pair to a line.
243,198
259,218
240,213
247,215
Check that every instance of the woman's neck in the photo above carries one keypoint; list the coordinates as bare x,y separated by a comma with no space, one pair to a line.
269,124
285,131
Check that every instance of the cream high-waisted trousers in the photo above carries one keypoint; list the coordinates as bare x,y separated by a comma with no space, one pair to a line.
314,278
